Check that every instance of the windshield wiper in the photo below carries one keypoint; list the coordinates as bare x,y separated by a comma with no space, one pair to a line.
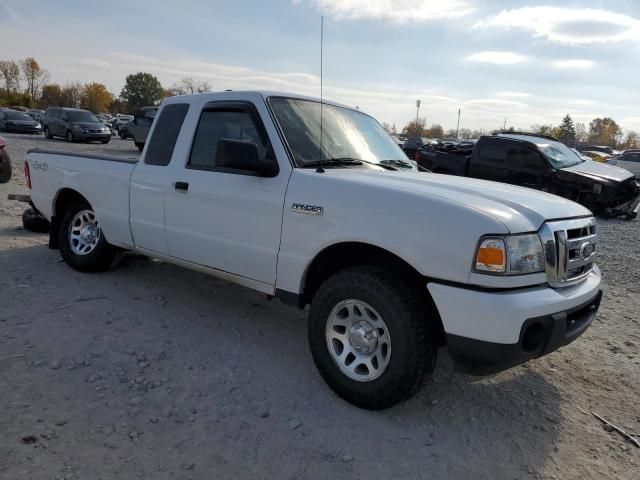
344,161
400,163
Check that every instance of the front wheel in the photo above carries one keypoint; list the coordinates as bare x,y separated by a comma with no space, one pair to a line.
82,243
371,337
47,133
140,146
70,137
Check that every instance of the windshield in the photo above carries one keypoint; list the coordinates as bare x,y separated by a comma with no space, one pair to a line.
18,116
346,134
559,154
80,116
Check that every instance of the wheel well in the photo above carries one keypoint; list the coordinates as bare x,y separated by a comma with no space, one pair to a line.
350,254
65,198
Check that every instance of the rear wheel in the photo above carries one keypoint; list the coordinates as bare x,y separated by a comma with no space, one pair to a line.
370,336
140,146
82,243
5,166
34,221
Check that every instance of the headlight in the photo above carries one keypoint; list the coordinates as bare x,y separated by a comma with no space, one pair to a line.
510,255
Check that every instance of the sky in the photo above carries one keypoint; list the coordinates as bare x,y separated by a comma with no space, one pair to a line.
530,62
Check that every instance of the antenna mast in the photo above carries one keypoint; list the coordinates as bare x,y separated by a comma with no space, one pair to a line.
320,169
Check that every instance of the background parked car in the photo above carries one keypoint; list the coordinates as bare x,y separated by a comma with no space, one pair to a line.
5,162
120,120
412,144
18,122
629,160
595,148
597,156
36,114
141,124
74,124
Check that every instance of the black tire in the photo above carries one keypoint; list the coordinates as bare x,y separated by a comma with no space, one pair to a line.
140,146
70,137
5,166
98,260
412,334
105,141
34,221
47,134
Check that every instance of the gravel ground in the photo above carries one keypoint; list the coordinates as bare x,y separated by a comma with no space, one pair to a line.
152,371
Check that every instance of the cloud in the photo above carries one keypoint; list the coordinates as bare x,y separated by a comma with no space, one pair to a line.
397,11
494,104
498,58
568,26
513,94
573,64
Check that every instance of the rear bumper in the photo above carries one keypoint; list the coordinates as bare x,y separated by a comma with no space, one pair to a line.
489,331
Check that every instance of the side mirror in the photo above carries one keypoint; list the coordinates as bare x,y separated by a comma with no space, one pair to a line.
244,156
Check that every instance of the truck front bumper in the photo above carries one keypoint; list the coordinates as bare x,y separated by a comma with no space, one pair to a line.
491,331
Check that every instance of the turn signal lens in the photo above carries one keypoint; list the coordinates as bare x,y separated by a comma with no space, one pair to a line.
491,256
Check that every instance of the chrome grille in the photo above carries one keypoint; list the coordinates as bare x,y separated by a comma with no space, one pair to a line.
569,249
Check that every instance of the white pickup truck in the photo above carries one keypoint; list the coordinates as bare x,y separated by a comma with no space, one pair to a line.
255,188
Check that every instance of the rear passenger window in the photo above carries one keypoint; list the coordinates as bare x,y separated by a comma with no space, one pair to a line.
494,154
227,124
525,160
165,134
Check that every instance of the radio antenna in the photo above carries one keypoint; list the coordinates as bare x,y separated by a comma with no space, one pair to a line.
320,169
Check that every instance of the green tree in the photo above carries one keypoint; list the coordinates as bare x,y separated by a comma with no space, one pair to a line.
567,130
141,89
96,98
604,131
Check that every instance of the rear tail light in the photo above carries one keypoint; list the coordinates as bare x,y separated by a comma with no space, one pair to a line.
416,156
27,174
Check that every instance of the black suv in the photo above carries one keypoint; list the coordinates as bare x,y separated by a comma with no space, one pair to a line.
74,124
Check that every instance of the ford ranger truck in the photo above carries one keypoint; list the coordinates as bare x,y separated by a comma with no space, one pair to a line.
394,263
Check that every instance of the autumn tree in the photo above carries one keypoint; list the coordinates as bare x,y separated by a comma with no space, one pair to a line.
604,131
71,95
34,75
567,130
631,140
189,86
10,75
414,128
51,96
581,133
141,89
96,98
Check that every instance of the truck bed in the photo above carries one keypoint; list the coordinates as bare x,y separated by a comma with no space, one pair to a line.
102,180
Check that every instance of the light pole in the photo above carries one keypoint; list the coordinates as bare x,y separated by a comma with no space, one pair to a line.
458,127
418,133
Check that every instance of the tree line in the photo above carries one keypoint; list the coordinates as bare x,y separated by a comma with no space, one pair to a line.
25,83
601,131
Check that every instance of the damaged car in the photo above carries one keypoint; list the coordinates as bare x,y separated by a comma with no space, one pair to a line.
542,163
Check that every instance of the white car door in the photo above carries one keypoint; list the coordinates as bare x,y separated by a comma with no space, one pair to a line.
150,178
226,219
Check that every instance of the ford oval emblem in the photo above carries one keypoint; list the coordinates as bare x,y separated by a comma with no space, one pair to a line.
586,250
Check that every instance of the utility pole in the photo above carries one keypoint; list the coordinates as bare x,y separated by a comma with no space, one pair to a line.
418,133
504,128
458,127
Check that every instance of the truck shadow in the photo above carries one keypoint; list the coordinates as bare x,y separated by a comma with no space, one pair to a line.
248,352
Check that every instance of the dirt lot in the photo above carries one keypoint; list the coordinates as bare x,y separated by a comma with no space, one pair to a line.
151,371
